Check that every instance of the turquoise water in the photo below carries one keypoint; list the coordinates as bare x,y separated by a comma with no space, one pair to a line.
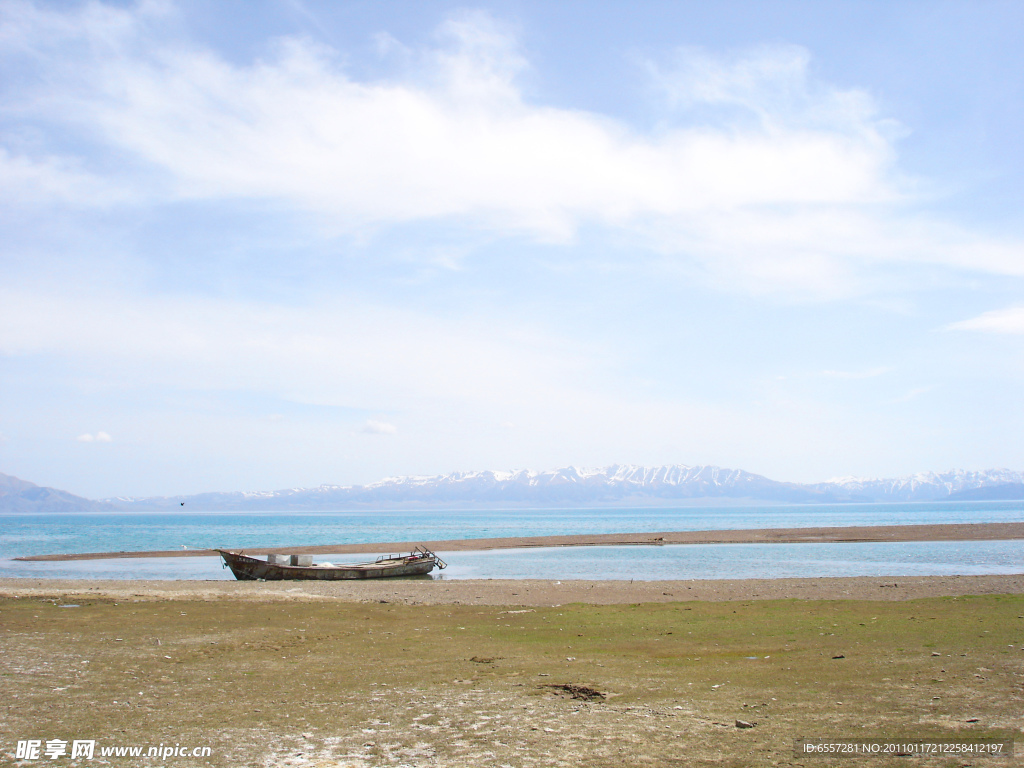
692,561
743,561
49,534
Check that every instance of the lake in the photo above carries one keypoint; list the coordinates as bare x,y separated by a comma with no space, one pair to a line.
642,563
47,534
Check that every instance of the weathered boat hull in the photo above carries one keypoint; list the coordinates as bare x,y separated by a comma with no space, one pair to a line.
247,568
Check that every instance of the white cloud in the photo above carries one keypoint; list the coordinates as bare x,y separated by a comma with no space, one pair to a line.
337,352
790,184
1008,321
868,374
372,427
772,85
31,180
299,130
913,394
456,384
99,437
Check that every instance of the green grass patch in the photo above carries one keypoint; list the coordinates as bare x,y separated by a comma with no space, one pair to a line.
378,682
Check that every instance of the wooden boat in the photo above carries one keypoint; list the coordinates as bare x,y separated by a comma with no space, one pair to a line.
418,562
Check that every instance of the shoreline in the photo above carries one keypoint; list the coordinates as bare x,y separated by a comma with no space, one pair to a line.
513,592
837,534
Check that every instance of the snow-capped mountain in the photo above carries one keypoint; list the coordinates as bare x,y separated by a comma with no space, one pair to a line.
926,486
624,485
618,485
575,485
568,486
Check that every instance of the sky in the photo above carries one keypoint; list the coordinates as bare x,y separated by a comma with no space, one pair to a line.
278,243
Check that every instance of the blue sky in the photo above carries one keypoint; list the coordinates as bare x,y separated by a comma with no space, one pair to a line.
255,245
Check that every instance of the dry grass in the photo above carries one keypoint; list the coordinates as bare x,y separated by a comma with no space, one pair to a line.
348,684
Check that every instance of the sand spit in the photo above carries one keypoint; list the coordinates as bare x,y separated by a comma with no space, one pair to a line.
942,532
439,591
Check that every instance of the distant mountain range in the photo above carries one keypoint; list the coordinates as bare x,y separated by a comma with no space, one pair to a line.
619,485
22,496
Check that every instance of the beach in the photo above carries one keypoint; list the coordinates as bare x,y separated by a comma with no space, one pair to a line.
432,672
697,674
519,592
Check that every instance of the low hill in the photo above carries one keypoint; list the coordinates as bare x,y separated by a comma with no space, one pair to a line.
1001,492
21,496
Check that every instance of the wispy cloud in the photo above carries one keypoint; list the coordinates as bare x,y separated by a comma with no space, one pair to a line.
868,374
913,394
372,427
788,183
50,178
1010,321
350,353
773,86
99,437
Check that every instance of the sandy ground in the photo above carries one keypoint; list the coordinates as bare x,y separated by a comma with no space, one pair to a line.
522,592
331,684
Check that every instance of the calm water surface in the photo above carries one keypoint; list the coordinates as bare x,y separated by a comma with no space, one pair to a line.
46,534
643,563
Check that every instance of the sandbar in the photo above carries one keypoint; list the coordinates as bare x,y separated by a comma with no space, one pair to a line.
935,532
538,592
